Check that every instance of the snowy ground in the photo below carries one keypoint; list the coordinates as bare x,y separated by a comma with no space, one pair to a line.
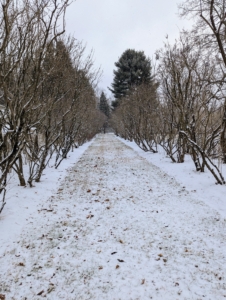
203,185
22,202
117,228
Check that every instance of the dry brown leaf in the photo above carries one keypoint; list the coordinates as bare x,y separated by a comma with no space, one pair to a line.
2,297
117,267
89,216
143,281
39,294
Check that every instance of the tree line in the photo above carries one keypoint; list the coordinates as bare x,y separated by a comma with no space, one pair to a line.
181,105
48,104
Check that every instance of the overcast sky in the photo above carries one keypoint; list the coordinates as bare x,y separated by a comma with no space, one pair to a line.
112,26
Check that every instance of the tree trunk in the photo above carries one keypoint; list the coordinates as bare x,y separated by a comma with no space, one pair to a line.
18,168
223,142
41,166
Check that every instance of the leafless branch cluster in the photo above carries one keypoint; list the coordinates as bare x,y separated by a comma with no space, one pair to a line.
186,115
135,119
47,97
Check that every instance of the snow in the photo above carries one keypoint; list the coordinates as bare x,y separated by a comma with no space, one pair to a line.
22,202
117,227
203,185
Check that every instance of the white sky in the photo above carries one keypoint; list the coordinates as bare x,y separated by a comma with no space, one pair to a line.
112,26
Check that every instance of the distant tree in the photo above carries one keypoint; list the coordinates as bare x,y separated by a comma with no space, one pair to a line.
133,69
104,106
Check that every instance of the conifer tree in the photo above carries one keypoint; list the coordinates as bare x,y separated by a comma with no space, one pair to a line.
133,68
104,106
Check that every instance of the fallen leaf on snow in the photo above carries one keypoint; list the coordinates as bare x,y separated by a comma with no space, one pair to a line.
51,288
100,267
39,294
2,297
89,216
143,281
117,267
88,191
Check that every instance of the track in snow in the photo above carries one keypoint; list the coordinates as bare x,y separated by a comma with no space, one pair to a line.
118,228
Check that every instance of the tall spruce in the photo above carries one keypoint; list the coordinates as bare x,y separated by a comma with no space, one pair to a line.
104,106
133,68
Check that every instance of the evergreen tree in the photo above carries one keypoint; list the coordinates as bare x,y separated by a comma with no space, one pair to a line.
59,67
103,106
133,68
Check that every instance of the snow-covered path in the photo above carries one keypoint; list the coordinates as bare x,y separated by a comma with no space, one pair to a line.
118,228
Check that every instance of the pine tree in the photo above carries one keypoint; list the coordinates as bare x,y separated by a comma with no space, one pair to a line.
103,106
133,68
